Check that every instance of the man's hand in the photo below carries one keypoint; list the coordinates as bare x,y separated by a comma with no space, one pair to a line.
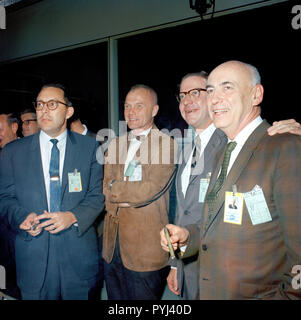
29,225
284,126
57,221
172,281
178,237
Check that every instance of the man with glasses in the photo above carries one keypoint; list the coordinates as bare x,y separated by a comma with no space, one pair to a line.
193,176
51,191
29,122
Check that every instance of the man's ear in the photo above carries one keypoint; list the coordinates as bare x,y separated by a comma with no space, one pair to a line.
257,94
155,110
14,127
69,113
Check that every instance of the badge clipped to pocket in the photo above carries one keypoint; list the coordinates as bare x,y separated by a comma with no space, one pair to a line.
204,184
134,171
233,206
257,206
74,181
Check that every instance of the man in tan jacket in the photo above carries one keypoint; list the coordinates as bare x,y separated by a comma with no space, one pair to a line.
139,168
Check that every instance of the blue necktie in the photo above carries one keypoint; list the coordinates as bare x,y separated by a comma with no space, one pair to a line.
54,173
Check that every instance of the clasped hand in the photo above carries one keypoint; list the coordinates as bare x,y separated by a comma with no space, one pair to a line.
55,222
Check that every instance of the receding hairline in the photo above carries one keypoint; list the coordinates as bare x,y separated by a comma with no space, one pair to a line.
150,90
254,73
60,87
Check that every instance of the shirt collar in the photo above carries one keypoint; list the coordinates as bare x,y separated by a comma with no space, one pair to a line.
143,133
206,134
244,134
45,138
85,131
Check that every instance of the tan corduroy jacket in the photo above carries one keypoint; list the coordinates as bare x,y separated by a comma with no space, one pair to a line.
139,225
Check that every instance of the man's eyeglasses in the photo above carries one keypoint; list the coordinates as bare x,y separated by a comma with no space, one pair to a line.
27,122
51,104
193,94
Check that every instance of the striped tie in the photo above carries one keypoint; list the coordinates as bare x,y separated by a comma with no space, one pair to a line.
212,195
196,156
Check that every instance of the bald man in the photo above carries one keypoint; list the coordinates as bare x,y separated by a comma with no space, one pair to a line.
246,251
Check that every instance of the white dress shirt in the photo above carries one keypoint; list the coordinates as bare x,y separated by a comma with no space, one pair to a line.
205,137
133,148
241,138
45,147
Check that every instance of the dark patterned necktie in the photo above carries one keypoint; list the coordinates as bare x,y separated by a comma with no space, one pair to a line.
212,195
54,173
196,155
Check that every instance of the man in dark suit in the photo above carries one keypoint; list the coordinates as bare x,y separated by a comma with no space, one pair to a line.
248,252
51,192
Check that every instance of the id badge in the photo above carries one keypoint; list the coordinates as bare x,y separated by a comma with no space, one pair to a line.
74,181
233,207
131,168
204,184
257,206
137,174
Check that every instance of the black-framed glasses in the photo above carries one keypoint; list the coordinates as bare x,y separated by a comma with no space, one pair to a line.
193,93
27,122
51,104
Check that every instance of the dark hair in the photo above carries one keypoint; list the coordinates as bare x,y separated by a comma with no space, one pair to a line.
201,74
11,118
29,110
58,86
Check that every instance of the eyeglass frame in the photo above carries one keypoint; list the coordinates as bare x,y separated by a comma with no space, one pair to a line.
27,121
188,92
46,103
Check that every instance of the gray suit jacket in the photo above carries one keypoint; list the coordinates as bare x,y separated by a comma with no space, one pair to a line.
189,211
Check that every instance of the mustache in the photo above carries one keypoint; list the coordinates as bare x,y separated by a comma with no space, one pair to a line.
191,107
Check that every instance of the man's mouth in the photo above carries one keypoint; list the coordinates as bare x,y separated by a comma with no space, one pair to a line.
221,111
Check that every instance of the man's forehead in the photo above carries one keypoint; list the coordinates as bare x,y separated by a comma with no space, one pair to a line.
52,92
233,73
193,82
138,95
27,114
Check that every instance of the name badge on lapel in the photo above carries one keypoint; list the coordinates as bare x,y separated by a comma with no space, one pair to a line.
204,184
74,181
257,206
233,206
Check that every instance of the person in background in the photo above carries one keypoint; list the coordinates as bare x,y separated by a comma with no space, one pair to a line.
29,122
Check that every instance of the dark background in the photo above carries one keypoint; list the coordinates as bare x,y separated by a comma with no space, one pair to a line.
263,37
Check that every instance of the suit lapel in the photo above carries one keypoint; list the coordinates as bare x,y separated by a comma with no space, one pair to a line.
37,168
240,163
71,158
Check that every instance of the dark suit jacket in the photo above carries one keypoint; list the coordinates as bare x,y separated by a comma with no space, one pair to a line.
139,225
190,210
254,261
22,191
